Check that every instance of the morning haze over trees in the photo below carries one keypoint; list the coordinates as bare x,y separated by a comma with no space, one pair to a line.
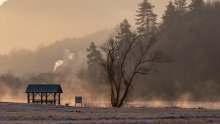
166,60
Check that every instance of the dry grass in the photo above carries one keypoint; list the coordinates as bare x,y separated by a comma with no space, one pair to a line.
29,113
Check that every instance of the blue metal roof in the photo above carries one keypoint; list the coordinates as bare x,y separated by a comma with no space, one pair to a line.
44,88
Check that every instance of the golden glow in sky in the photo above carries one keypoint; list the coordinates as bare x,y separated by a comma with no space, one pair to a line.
31,23
2,1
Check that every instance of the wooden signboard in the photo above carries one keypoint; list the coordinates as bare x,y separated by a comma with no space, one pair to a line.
78,100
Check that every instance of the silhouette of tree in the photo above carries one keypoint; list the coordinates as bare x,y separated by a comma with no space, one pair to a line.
94,58
146,19
181,7
124,61
196,5
124,31
169,12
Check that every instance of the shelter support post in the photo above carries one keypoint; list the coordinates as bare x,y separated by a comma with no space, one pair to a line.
41,98
28,97
54,98
59,99
46,98
33,95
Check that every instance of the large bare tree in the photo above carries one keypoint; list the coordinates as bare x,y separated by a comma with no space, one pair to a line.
126,57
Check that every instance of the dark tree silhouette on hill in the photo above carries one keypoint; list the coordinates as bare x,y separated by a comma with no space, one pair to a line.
169,13
146,19
196,5
181,6
94,57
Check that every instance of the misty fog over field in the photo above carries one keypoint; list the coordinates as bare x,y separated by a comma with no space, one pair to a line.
191,40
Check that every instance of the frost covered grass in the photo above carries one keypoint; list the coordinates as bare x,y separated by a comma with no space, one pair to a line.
32,113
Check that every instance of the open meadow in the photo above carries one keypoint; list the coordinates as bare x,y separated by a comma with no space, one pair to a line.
37,114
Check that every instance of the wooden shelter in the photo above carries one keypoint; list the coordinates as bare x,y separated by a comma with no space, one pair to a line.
44,93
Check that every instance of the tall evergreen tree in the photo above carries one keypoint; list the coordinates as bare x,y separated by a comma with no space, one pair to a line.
146,19
124,34
169,12
181,6
196,5
124,30
94,58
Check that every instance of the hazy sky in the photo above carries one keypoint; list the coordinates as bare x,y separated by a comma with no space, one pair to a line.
30,23
2,1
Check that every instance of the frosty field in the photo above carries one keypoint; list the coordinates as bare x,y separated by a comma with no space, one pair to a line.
30,113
